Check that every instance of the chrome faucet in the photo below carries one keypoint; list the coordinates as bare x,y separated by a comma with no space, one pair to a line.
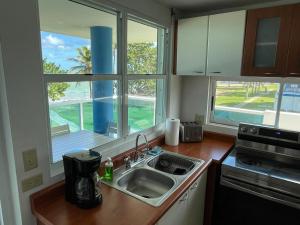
136,155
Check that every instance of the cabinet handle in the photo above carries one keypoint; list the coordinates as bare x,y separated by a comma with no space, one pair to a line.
216,72
185,197
198,71
270,73
194,186
294,73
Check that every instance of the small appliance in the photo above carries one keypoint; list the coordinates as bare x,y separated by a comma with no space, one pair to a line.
82,181
191,132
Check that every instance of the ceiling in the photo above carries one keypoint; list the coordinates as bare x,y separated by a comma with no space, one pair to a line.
208,5
69,18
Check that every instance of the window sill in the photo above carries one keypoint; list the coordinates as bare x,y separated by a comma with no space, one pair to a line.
220,128
113,148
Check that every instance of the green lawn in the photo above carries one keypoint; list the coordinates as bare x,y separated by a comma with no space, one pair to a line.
139,117
235,95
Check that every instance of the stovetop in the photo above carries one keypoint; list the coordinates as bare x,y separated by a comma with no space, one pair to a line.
262,172
263,166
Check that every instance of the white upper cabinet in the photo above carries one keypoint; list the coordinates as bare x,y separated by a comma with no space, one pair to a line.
225,44
192,46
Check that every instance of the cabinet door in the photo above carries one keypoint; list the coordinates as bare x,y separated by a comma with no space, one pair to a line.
293,68
192,46
196,202
175,215
225,43
266,41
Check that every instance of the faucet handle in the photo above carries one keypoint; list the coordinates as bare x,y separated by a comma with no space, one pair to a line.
127,162
142,155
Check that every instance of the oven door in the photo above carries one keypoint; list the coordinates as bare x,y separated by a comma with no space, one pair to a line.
240,203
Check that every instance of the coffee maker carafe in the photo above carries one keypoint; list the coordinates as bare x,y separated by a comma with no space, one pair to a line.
82,186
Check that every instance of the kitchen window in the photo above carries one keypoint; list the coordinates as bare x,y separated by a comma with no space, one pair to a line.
264,102
100,90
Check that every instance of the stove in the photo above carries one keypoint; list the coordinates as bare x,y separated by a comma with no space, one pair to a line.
265,162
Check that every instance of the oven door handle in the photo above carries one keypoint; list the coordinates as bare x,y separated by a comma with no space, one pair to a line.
261,192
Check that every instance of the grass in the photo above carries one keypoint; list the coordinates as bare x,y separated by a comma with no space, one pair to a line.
235,95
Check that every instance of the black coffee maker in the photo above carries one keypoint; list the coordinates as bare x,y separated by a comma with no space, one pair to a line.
82,181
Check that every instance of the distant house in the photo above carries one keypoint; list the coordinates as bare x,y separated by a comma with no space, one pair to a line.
290,98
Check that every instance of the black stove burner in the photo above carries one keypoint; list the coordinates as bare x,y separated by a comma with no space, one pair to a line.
248,160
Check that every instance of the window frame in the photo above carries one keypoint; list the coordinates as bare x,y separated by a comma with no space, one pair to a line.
121,76
212,93
126,77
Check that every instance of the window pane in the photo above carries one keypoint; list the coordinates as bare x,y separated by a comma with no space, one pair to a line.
249,102
77,39
83,115
141,104
289,117
145,49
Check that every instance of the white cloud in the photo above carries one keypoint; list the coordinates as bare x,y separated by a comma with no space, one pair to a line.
53,40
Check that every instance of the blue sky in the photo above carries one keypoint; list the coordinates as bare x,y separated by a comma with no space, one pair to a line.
59,48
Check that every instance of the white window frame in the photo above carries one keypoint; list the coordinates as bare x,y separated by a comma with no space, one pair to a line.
212,94
122,77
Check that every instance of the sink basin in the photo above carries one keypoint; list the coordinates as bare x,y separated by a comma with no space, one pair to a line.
172,164
154,178
146,183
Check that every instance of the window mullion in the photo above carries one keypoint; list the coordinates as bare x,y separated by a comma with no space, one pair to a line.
277,116
146,77
124,77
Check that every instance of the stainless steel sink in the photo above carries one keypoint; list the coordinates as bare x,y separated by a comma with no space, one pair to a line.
172,164
146,183
154,178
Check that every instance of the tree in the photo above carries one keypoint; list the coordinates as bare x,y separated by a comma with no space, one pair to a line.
142,59
55,90
84,61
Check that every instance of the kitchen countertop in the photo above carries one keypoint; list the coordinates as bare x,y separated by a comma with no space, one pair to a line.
50,207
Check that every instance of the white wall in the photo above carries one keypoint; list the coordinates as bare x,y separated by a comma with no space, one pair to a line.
175,97
194,94
174,90
7,170
25,111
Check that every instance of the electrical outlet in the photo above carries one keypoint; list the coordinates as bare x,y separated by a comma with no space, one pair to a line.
199,119
30,159
32,182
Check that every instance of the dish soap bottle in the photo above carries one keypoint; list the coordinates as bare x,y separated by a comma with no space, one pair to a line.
108,170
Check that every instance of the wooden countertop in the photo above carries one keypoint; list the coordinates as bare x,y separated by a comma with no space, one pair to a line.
50,207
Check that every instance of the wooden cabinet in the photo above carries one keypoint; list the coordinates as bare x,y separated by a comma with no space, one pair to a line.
293,65
191,46
189,208
267,41
225,43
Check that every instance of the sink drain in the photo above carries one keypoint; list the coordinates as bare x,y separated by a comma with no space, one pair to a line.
146,196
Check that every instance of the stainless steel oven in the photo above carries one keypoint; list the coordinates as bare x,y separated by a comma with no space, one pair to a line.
260,179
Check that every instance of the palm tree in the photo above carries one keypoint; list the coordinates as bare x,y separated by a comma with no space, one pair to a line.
84,61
